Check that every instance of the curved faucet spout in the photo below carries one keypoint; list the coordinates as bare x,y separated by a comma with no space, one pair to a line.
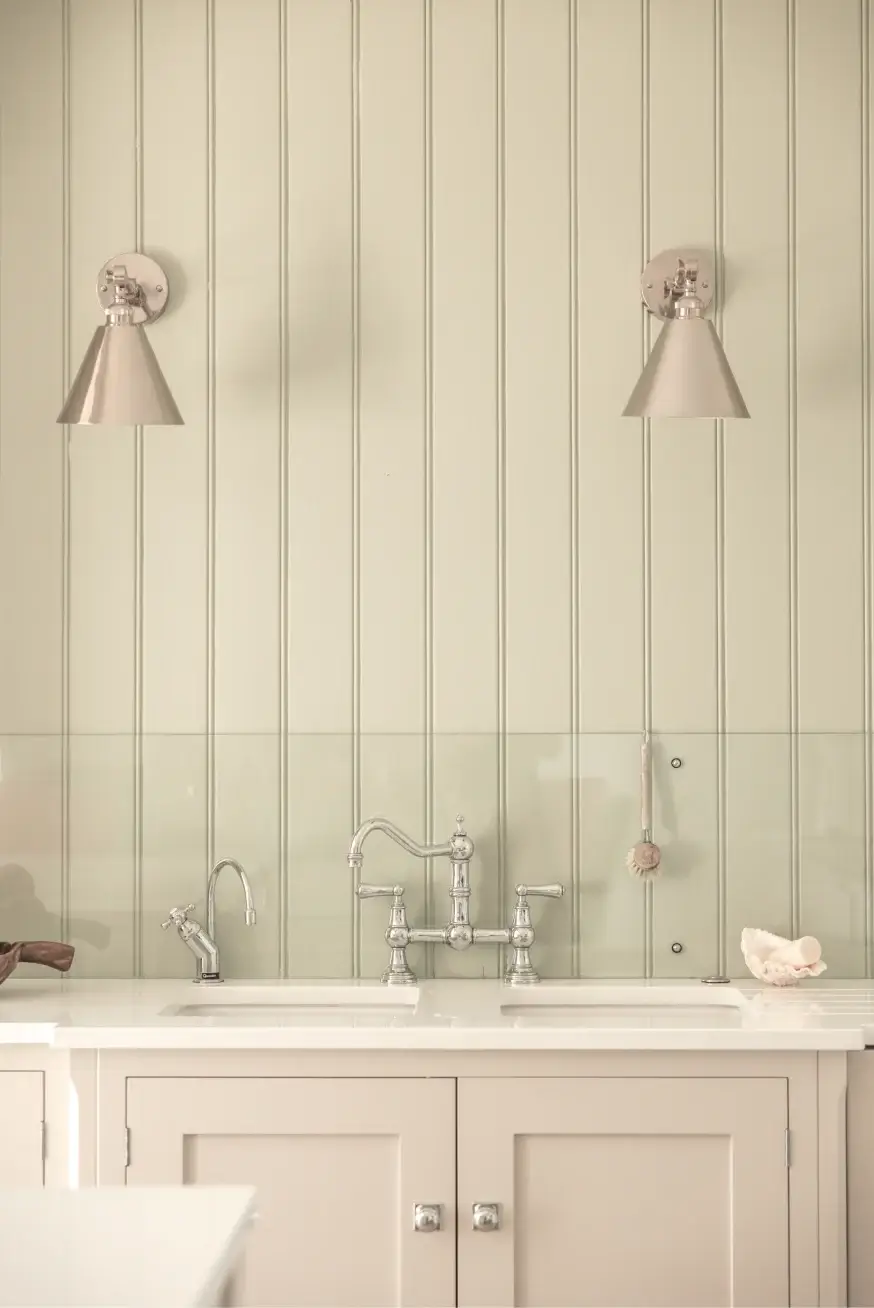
355,856
210,893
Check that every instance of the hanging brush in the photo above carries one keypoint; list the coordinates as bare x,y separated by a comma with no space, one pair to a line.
644,859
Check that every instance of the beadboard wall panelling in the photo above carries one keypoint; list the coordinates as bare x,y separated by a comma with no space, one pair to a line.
462,503
104,201
32,471
172,774
101,798
318,364
246,420
610,620
103,902
30,818
536,381
320,906
757,832
395,437
828,375
681,208
169,854
464,365
612,921
393,431
536,500
391,782
754,529
686,813
32,455
405,556
175,190
313,885
247,828
830,432
831,840
685,614
610,249
464,780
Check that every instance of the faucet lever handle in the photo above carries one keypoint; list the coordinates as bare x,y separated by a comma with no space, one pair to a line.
178,916
553,891
379,892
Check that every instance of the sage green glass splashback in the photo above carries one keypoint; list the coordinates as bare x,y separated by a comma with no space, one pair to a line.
404,526
737,849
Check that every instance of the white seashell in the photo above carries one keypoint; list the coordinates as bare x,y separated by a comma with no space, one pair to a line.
778,961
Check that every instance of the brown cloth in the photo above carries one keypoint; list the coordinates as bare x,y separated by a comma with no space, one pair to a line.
48,952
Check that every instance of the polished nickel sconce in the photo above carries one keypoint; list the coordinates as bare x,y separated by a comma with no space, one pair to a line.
120,381
687,374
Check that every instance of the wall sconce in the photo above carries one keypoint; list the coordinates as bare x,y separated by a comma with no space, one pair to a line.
687,374
120,381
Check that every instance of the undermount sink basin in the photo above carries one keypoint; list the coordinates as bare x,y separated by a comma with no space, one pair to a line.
273,1005
626,1004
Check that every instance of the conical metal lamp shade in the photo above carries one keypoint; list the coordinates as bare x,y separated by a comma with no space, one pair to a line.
120,382
687,376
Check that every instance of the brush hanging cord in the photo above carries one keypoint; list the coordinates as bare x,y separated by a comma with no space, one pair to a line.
646,790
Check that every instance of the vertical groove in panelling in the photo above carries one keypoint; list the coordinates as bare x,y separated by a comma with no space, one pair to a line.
795,835
138,525
865,33
428,484
646,434
574,330
210,432
66,374
284,496
719,483
355,73
501,436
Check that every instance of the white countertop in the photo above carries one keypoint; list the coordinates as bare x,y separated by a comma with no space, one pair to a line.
171,1246
437,1015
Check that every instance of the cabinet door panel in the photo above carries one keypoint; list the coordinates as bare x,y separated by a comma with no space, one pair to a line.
624,1192
21,1119
338,1166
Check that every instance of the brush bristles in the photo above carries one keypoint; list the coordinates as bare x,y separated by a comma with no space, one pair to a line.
644,860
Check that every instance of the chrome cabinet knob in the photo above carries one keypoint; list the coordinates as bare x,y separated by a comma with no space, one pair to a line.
427,1217
486,1217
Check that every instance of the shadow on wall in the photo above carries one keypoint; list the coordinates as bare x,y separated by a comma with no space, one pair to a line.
24,917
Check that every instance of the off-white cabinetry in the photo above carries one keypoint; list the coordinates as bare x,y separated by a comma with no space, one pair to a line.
632,1191
860,1178
611,1190
338,1166
21,1128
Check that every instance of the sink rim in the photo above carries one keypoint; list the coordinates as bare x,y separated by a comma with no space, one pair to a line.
294,996
269,1013
623,996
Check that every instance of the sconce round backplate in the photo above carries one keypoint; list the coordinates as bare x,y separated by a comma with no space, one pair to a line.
662,268
147,273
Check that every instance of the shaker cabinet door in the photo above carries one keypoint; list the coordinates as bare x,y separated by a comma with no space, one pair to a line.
338,1166
624,1192
21,1129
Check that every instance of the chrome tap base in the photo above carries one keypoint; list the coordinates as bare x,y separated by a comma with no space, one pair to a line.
202,940
459,933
